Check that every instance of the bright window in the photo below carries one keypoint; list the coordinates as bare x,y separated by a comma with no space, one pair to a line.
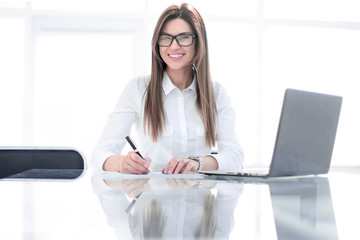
78,80
316,59
64,64
324,10
12,55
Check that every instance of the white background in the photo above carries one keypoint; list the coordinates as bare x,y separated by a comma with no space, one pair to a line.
64,63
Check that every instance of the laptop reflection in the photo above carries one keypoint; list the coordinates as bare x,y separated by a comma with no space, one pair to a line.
303,209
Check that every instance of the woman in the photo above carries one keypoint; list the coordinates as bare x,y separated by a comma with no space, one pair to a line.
179,112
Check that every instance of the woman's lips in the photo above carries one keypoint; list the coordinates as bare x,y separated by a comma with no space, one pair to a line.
176,55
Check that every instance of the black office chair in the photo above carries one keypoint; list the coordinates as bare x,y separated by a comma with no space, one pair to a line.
44,163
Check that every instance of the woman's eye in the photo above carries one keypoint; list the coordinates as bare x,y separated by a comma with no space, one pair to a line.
165,38
181,37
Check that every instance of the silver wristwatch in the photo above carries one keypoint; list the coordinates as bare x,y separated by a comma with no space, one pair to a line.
199,159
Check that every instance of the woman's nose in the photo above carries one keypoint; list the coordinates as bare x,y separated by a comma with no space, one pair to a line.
174,44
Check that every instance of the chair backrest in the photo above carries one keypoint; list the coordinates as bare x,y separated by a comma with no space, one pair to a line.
63,163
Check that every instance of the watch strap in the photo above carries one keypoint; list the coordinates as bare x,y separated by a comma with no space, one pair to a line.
199,159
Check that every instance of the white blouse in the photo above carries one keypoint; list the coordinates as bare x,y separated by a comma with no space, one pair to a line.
183,134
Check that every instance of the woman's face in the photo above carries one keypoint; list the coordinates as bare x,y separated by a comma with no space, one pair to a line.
175,56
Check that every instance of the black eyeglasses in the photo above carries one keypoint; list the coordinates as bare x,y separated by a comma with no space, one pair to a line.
183,40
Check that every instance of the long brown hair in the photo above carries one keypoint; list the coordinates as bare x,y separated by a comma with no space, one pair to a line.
154,115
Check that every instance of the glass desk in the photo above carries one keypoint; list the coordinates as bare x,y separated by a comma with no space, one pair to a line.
103,206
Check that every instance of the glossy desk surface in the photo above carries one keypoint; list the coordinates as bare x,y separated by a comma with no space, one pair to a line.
93,207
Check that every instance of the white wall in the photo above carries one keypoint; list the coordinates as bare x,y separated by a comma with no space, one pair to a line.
63,65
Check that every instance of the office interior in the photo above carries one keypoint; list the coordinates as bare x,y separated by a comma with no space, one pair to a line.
64,63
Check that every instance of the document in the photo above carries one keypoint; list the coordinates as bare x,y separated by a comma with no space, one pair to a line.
116,175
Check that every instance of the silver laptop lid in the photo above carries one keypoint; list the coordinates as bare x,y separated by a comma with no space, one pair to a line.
306,133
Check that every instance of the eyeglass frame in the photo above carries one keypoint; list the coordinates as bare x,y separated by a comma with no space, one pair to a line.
177,40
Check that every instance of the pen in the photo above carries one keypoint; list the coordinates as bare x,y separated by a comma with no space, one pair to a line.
132,144
132,203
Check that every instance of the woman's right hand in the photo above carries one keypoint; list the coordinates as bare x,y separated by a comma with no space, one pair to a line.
132,187
129,164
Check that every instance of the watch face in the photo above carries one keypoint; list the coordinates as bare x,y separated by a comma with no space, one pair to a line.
197,158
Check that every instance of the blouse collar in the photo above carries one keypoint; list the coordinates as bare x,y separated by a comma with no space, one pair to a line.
168,85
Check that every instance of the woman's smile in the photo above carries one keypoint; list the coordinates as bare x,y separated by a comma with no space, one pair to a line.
176,56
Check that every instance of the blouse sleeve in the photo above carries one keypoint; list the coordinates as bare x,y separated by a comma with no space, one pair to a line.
230,154
118,124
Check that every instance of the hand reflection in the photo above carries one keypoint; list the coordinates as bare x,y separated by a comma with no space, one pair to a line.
183,183
132,187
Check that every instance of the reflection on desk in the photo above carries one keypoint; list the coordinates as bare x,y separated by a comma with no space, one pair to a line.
91,207
205,208
171,208
303,209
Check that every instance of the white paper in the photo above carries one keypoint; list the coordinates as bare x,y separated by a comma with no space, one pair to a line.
117,175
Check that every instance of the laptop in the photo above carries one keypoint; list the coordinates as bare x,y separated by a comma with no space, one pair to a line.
305,137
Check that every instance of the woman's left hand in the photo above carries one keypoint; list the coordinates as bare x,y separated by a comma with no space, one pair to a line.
181,165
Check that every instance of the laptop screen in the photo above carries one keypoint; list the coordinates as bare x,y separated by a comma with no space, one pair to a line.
306,133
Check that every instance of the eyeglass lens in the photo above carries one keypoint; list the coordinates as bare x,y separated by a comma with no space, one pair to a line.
182,40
